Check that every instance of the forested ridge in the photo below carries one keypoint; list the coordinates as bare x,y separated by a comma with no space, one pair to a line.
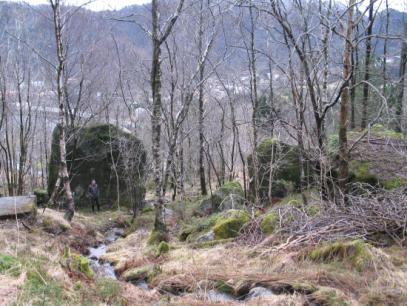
190,152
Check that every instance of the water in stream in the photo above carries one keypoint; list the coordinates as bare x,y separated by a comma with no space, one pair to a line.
104,269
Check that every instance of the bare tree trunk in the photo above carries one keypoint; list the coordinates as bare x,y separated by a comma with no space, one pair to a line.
402,73
343,116
158,37
61,61
201,107
365,101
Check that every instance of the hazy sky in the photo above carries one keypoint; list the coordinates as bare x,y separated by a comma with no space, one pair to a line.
98,5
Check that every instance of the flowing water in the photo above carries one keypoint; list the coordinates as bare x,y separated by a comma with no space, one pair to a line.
104,269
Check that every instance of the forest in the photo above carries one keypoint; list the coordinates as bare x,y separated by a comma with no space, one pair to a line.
203,152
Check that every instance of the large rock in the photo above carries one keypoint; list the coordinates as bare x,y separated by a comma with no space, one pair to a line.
284,160
228,196
92,153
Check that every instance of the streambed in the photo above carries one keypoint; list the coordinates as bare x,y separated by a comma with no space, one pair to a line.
104,269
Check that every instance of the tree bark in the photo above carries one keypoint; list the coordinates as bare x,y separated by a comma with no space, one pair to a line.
365,103
343,115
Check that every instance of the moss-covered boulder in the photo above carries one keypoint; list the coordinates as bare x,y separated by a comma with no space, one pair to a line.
41,195
81,264
356,253
95,152
197,228
142,273
228,196
229,224
269,223
284,160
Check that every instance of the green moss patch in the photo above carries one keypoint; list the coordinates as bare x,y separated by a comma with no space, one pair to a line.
356,253
163,248
156,237
361,172
81,264
269,223
229,224
142,273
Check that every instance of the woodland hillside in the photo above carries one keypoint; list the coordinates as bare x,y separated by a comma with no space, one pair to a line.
190,152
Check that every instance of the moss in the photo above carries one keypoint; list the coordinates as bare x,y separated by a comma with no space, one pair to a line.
394,183
312,210
232,187
361,172
224,287
229,224
286,159
156,237
163,248
81,264
91,152
10,265
108,289
142,273
223,193
379,130
41,195
210,244
356,253
269,223
197,227
327,296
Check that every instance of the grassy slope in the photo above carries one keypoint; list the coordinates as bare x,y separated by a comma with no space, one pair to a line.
40,276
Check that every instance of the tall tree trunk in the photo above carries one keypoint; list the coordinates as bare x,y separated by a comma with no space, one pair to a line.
402,73
343,115
365,101
201,107
61,61
159,36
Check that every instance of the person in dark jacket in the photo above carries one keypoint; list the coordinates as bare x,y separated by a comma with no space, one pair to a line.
93,191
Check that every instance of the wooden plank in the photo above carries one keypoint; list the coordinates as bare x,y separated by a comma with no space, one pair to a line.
17,205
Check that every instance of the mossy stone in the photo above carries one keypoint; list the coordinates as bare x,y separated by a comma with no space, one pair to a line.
156,237
163,248
269,223
229,224
92,153
147,272
41,195
285,159
81,264
355,252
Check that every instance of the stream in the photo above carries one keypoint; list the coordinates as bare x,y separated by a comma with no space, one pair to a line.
104,269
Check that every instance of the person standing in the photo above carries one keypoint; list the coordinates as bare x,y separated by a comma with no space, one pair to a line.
93,191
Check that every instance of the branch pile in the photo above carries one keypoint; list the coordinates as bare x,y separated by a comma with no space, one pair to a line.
368,216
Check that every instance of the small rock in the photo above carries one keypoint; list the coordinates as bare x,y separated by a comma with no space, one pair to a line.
206,237
259,292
